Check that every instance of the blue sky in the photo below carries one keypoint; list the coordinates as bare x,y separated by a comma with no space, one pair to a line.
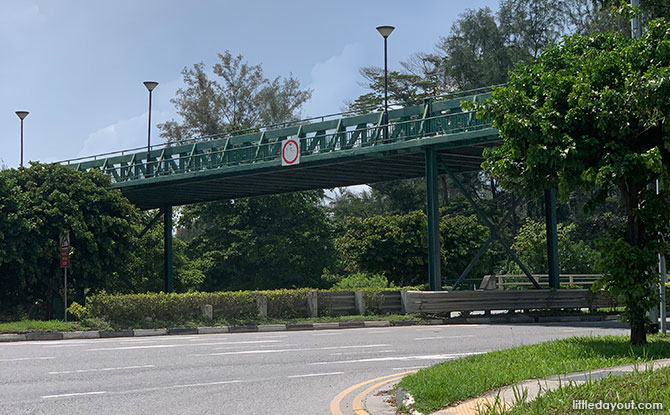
78,66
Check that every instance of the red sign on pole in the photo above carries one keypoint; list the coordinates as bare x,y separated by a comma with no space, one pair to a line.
64,247
65,242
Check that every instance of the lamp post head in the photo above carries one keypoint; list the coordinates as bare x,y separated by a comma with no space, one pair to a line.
22,114
150,85
385,30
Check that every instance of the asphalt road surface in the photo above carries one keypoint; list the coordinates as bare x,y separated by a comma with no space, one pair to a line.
243,373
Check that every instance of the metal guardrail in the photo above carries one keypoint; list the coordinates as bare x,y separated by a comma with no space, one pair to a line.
442,302
498,282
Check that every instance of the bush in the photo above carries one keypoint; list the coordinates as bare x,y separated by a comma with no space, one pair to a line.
361,280
134,310
286,303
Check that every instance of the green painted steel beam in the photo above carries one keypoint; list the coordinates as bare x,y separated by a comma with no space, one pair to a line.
172,175
433,214
552,238
167,251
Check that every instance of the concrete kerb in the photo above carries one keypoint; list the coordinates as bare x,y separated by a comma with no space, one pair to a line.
149,332
14,337
71,335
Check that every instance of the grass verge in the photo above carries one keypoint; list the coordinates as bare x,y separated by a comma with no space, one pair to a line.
648,387
456,380
27,326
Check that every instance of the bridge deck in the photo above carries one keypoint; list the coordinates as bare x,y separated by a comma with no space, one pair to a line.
338,152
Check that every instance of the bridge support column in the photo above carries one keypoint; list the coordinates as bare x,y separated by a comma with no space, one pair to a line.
433,213
167,248
552,238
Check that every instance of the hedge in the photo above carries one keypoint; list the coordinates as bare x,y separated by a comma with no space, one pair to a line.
132,310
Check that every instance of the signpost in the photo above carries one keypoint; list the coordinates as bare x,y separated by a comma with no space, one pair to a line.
290,152
64,248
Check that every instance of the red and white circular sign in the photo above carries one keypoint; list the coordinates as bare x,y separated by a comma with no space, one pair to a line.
290,152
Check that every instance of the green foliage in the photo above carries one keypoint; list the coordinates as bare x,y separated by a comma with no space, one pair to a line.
592,114
281,241
136,310
240,97
360,280
648,386
39,203
394,246
285,304
77,310
530,245
462,236
629,275
457,380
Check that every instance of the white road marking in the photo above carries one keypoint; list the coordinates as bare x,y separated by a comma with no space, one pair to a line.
288,350
409,368
316,374
66,395
17,359
442,337
400,358
78,344
164,346
264,346
370,352
206,384
106,369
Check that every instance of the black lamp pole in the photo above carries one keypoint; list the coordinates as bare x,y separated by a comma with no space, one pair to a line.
385,31
150,86
22,115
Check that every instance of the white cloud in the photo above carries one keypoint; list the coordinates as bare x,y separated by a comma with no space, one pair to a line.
335,81
132,132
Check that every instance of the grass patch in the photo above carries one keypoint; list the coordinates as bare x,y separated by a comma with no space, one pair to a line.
28,326
453,381
641,387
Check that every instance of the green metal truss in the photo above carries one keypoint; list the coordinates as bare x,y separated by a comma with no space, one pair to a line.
335,152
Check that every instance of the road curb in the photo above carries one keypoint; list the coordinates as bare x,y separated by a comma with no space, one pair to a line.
94,334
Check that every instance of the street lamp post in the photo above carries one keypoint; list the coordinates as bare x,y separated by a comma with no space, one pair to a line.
22,115
151,85
385,31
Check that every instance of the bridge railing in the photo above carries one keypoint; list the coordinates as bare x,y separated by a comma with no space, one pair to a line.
343,134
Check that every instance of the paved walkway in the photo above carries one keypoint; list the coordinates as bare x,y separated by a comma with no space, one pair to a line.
506,395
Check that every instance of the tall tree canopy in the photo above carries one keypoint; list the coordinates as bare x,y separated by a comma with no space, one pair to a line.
36,205
239,97
280,241
594,113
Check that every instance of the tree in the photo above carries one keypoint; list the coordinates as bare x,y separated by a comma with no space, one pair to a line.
593,113
240,98
280,241
39,203
575,256
393,246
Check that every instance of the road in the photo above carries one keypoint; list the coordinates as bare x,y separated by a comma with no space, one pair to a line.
243,373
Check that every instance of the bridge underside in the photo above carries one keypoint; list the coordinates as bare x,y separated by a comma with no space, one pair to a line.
381,166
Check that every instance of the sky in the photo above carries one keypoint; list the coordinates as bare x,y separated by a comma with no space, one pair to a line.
78,66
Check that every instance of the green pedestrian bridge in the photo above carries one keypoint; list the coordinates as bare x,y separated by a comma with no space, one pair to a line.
435,137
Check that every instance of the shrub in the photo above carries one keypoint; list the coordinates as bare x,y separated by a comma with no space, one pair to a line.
132,310
361,280
286,303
